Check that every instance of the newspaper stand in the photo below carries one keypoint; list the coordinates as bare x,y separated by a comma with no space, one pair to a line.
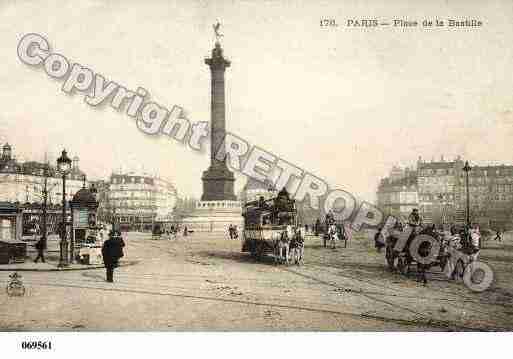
84,229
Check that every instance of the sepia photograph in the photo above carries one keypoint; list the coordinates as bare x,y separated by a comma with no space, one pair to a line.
334,170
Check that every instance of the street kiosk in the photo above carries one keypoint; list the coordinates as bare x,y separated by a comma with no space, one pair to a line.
85,244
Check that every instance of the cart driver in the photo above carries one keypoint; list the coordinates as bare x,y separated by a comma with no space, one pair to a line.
414,219
415,223
330,218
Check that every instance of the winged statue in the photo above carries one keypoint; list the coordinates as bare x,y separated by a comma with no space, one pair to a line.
216,27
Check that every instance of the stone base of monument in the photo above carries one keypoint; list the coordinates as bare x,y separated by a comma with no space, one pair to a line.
215,216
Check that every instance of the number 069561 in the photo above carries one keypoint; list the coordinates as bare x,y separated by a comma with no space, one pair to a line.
36,345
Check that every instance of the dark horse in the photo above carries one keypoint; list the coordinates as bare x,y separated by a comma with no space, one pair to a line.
405,259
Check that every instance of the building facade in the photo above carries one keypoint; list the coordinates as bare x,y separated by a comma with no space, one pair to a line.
138,201
440,187
22,184
100,189
437,187
398,193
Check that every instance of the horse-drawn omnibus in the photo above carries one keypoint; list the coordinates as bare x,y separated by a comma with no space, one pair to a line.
266,221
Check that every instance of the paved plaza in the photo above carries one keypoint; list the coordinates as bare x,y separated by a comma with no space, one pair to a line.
204,282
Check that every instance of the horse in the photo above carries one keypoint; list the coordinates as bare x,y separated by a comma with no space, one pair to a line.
333,235
282,245
297,246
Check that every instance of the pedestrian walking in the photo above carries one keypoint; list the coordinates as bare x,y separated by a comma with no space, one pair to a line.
498,236
317,227
40,246
185,231
379,240
112,251
230,231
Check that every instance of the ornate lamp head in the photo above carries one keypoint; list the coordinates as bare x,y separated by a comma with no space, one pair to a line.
467,167
64,163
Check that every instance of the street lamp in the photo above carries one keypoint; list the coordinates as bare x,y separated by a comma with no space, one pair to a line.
442,214
64,166
467,169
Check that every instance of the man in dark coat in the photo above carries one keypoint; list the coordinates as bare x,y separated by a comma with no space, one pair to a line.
112,251
379,240
316,227
230,231
40,246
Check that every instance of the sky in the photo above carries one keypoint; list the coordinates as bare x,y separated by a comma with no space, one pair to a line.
344,103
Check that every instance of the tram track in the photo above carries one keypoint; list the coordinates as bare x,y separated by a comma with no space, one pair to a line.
372,296
416,322
378,296
466,298
301,300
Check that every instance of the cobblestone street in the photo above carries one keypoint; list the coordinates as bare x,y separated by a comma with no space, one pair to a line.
204,282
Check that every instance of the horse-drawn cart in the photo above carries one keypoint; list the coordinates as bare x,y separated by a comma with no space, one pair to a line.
270,226
402,260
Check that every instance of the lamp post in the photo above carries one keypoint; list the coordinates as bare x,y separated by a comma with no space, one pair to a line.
64,166
441,201
467,169
45,201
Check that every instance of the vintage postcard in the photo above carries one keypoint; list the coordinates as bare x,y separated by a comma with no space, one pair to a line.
254,166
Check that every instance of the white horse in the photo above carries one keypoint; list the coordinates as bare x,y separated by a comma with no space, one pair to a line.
282,245
333,235
297,246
